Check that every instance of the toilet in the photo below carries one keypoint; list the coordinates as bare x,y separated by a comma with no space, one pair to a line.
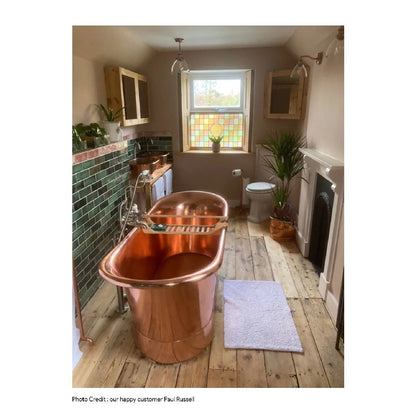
260,193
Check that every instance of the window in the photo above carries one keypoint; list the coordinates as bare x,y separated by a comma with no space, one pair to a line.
216,103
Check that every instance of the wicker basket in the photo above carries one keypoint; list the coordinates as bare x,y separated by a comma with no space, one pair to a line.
281,230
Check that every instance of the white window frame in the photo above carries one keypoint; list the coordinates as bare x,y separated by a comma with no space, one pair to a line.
188,108
218,75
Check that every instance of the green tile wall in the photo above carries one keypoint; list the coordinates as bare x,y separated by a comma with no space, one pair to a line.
97,191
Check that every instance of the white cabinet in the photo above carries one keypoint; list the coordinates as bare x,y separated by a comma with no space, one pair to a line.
158,187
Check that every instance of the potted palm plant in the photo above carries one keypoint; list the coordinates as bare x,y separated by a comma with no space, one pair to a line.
216,143
110,122
285,163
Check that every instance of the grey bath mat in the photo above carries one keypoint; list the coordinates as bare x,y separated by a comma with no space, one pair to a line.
257,316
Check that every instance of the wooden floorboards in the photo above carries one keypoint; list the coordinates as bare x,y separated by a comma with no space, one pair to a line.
250,254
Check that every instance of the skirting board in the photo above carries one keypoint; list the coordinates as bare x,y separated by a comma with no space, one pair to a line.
302,244
331,302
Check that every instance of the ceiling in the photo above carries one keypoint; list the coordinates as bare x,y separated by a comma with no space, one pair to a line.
161,38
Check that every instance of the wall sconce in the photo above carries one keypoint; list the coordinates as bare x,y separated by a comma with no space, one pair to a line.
179,65
337,44
300,69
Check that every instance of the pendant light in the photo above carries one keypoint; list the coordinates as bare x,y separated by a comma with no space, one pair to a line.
179,65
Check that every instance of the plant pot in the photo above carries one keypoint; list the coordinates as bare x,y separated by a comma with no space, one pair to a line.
90,142
113,130
78,145
281,231
216,147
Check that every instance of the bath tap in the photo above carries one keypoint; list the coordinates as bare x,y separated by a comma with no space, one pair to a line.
147,143
137,147
140,182
142,224
141,179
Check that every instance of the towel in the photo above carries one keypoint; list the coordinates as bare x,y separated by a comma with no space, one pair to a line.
168,182
158,189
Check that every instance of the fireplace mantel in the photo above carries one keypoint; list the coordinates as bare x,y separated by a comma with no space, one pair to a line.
327,166
326,161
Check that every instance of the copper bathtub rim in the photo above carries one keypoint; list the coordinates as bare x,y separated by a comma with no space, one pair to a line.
126,282
190,192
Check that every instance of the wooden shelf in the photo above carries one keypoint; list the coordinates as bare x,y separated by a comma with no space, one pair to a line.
158,173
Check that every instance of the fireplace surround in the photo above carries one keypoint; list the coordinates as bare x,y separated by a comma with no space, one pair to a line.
319,164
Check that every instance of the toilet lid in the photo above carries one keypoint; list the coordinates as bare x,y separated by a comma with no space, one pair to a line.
260,187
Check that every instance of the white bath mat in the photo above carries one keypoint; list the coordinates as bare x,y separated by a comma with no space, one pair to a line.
257,316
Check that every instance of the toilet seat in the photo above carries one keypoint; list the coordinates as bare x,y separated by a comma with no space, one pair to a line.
260,187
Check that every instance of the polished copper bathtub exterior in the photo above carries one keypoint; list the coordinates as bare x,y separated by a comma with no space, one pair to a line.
170,279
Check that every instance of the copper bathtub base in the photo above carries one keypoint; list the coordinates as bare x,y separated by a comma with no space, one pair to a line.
174,351
173,323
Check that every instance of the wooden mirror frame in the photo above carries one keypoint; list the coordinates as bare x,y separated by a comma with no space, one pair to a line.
296,100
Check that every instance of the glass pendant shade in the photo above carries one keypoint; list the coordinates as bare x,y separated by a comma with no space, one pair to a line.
179,64
337,45
299,70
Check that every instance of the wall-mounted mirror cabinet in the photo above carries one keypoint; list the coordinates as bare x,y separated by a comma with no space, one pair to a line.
129,90
284,96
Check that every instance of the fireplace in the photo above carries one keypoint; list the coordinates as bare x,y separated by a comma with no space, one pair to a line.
320,220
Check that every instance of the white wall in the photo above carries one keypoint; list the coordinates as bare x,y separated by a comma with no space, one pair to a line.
324,119
88,90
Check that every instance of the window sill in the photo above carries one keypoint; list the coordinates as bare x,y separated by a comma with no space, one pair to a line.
222,152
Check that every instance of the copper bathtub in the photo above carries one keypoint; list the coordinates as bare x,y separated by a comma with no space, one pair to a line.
170,279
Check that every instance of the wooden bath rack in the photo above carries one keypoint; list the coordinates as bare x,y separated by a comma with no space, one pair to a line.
178,227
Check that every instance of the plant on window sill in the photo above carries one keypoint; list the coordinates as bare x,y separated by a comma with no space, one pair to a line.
216,143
